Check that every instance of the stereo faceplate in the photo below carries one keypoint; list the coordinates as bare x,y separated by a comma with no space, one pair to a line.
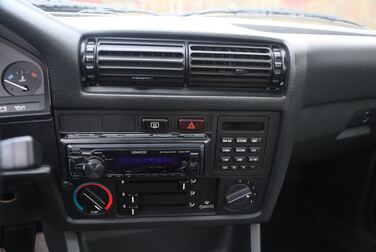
135,160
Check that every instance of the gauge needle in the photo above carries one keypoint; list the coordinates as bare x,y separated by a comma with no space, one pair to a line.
16,85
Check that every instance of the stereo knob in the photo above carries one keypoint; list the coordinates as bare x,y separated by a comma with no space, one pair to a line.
94,168
239,196
92,198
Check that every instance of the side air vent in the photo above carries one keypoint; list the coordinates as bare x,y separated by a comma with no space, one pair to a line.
111,62
233,66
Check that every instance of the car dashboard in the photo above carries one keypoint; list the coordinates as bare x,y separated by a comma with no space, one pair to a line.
170,121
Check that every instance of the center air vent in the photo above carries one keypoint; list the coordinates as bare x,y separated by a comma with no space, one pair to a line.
234,66
117,62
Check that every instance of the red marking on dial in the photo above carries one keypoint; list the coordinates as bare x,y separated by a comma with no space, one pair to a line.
108,192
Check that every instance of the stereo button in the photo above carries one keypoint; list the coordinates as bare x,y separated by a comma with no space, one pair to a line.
239,159
243,167
241,139
254,149
234,167
227,139
225,159
256,140
154,124
224,167
226,149
253,167
240,149
253,159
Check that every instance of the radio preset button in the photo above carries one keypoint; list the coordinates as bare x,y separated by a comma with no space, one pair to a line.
254,149
226,149
253,167
239,159
240,149
234,167
224,167
243,167
256,140
227,139
225,159
253,159
241,140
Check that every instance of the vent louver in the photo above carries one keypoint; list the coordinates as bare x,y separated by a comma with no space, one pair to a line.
117,62
234,66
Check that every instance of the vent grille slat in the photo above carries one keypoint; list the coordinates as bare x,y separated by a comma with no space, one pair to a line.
230,66
138,49
226,67
139,59
230,60
139,67
121,62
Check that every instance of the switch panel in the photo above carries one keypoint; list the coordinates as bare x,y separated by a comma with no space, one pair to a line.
241,144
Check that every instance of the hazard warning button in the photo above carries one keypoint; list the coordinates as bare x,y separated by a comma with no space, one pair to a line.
189,124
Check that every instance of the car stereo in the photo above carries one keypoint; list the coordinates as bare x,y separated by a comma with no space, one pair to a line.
135,160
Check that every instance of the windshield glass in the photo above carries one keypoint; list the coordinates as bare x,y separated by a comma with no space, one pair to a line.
346,12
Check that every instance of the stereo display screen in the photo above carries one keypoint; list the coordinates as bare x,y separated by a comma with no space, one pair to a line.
133,162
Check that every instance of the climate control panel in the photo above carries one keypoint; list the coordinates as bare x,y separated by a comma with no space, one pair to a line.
122,198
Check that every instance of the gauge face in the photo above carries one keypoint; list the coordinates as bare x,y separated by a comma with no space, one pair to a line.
22,78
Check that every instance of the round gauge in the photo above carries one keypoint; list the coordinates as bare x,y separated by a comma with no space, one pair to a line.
22,78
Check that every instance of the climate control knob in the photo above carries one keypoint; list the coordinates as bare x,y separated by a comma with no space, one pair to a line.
94,168
92,198
240,196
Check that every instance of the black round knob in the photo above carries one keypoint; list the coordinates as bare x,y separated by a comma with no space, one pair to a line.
239,197
94,168
92,198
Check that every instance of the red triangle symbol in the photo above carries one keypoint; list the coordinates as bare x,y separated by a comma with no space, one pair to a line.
191,126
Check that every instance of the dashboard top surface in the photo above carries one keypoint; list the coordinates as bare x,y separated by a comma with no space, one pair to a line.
208,25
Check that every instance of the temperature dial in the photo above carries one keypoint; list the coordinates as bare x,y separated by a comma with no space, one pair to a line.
22,78
92,198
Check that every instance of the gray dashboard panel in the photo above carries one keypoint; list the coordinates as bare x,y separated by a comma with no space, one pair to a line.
324,69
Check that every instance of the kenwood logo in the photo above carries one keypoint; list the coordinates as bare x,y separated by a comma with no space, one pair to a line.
139,152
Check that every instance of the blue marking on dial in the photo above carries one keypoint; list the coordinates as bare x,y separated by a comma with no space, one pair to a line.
11,76
78,205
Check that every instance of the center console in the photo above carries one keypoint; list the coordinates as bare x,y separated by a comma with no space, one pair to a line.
166,165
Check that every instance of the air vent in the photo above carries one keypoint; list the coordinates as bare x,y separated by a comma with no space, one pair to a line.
232,66
111,62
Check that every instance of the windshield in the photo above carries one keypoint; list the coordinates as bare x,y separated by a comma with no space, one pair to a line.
346,12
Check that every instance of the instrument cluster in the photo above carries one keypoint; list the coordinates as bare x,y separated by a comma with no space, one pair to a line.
23,89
